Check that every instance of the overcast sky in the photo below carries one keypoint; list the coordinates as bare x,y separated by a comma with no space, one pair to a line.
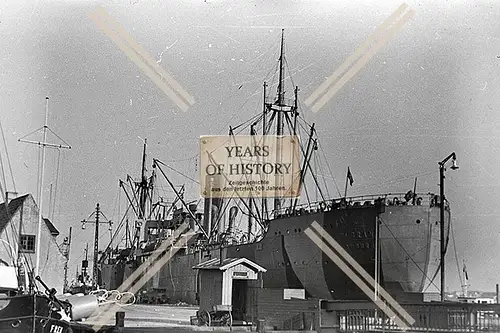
431,90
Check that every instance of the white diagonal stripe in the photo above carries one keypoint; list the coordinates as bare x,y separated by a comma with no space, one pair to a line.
106,316
315,225
362,62
133,56
152,258
355,278
324,86
148,58
141,58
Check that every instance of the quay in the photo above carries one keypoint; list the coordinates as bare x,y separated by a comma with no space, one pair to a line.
346,317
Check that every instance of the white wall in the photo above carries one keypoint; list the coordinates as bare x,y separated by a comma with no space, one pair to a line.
52,260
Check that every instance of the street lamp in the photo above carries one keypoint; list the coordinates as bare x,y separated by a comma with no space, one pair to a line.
442,169
96,239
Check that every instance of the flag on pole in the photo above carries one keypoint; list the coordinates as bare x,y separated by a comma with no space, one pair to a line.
465,272
349,176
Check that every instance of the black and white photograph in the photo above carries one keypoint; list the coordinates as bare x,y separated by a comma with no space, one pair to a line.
253,166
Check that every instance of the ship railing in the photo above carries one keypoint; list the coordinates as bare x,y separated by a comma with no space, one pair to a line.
273,99
388,199
429,317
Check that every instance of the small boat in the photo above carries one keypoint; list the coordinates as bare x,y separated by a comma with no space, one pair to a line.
28,305
41,313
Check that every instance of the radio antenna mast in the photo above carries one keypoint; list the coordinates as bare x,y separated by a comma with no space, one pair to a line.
42,144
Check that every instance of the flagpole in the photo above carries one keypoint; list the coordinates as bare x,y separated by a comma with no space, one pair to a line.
466,279
40,193
346,180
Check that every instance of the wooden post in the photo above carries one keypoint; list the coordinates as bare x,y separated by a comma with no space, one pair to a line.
120,319
260,325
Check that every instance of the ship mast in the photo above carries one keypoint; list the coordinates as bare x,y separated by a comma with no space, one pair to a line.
280,103
281,91
143,185
43,145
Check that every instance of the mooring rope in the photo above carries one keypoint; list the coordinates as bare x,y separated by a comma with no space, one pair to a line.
105,296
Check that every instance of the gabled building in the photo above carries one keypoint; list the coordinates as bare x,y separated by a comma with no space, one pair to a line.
18,232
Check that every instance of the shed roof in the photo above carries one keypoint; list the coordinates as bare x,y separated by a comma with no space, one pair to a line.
227,263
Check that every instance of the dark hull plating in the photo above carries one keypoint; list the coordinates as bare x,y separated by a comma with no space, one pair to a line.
409,254
18,314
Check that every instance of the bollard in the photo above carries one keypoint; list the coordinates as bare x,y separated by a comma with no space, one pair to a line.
498,294
120,319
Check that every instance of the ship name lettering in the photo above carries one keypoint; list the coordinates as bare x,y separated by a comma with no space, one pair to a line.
56,329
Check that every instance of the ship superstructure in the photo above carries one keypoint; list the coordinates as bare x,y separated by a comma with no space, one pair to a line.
394,237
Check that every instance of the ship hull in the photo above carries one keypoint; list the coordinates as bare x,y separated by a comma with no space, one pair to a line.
409,254
18,314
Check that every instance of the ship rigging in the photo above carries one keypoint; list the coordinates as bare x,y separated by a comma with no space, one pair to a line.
269,231
280,116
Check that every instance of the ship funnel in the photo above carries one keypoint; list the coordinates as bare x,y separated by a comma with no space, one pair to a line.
232,216
212,206
454,166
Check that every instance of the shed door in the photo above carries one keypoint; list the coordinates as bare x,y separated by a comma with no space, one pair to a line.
239,298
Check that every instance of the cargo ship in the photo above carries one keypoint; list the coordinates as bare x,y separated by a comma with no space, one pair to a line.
395,237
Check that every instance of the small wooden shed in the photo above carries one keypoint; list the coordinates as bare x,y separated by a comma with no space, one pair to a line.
225,282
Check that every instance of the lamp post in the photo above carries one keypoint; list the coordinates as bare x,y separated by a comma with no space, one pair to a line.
96,241
442,169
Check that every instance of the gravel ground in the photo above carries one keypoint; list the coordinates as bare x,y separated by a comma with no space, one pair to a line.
139,315
161,319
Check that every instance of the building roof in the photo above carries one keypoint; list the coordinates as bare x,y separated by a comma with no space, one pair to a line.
215,264
53,230
7,211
